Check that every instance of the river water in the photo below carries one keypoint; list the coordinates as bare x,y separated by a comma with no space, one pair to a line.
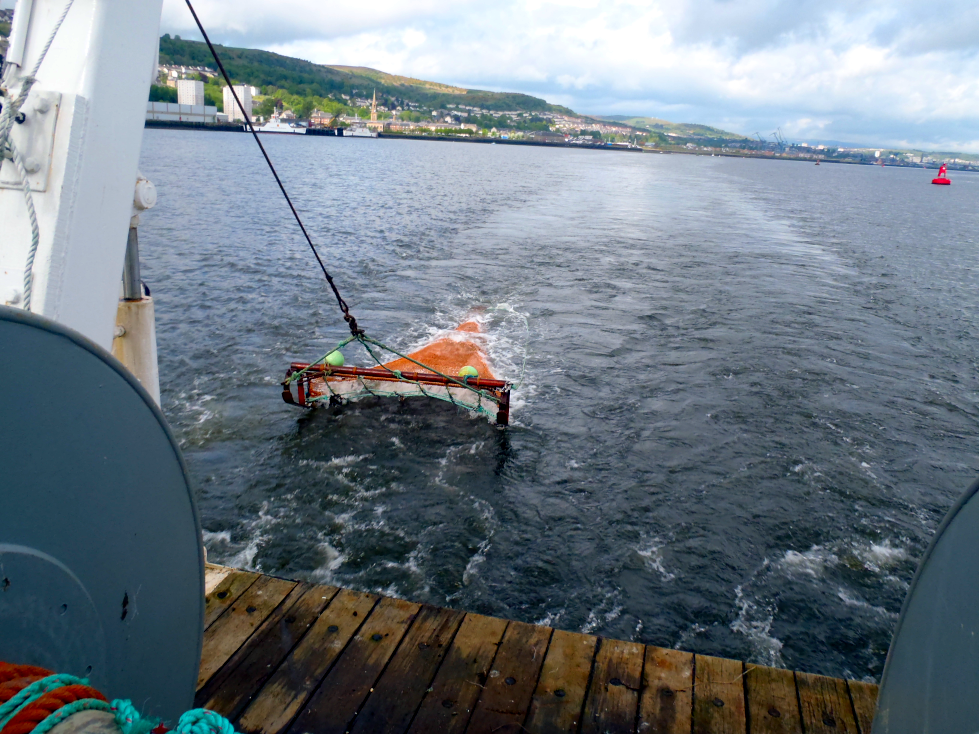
747,389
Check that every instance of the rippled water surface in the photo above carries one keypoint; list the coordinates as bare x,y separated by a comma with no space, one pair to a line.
747,388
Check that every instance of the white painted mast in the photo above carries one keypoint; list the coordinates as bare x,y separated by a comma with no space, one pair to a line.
79,141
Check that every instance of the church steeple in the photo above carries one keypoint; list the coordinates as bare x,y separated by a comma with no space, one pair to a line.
374,107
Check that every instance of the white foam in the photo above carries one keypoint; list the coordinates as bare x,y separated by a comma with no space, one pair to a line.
812,563
332,560
683,641
472,568
607,611
550,619
222,536
755,623
651,551
880,556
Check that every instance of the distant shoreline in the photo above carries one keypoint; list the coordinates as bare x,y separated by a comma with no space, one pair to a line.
767,155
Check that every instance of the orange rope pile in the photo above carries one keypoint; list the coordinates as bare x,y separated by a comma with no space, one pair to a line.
37,711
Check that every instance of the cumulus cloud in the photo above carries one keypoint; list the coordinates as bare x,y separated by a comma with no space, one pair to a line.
874,71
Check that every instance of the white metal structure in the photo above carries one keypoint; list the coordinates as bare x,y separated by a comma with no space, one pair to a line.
79,140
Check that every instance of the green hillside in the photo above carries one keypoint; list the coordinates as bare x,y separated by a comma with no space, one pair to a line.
680,129
305,79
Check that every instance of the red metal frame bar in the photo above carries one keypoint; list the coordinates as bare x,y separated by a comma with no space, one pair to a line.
500,388
379,373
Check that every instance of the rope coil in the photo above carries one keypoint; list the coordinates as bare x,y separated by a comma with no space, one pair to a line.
44,700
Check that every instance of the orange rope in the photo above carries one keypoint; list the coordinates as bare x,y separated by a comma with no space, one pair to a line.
9,672
37,711
12,687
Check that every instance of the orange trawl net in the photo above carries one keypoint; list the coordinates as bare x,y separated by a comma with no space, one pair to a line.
448,355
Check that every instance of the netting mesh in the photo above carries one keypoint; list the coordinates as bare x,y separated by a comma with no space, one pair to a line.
409,375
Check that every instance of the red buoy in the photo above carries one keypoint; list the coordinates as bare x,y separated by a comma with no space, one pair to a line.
942,179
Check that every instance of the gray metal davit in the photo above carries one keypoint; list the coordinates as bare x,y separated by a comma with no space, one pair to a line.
931,678
101,565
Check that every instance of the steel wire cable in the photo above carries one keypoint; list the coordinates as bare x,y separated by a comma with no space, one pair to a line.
347,316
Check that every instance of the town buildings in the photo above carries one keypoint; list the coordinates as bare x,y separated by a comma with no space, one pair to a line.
231,109
190,92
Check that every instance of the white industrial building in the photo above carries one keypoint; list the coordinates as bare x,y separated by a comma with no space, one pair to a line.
181,112
190,92
244,93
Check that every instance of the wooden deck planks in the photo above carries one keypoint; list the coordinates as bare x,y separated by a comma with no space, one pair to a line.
559,698
224,594
773,705
450,700
280,655
398,693
512,680
335,704
214,575
864,697
613,698
825,703
718,696
229,631
232,687
666,706
285,693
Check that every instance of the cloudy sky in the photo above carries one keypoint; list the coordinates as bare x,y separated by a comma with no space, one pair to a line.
877,72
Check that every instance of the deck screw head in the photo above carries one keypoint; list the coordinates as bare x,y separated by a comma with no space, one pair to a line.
829,720
774,712
377,637
221,594
615,682
510,680
448,703
718,702
251,610
666,693
332,628
560,693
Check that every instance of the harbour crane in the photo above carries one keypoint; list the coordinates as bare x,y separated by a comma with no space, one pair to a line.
779,139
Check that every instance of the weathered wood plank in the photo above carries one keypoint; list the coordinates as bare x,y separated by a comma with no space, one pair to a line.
666,705
559,699
613,699
232,687
718,696
864,697
333,707
214,575
510,686
284,695
224,594
230,631
399,691
825,704
453,694
773,707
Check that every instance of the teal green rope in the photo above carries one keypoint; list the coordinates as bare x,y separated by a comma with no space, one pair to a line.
129,720
365,342
296,375
84,704
364,338
397,373
33,692
202,721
